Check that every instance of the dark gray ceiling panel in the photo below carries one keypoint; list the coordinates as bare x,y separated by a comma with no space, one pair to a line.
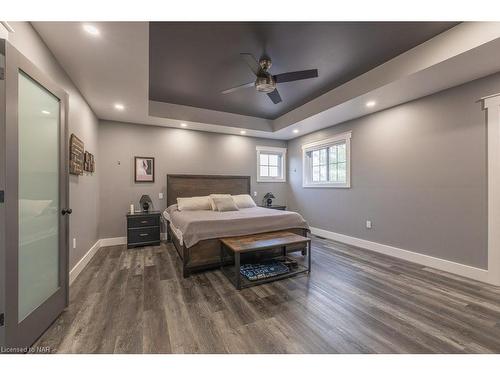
191,63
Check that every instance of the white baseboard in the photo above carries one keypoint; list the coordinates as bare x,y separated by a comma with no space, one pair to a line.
113,241
425,260
103,242
75,271
123,240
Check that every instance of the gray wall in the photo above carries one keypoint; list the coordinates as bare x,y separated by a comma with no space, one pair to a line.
175,151
418,173
84,190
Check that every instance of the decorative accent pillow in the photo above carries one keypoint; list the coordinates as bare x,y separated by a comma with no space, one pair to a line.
225,204
212,196
243,201
193,204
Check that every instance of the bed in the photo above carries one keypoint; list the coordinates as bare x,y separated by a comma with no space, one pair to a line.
196,234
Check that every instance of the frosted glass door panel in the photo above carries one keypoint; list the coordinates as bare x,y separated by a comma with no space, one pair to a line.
38,195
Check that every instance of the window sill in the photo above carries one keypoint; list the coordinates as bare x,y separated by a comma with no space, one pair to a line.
328,186
270,180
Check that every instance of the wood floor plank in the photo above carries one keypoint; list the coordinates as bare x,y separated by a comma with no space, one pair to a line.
354,301
181,333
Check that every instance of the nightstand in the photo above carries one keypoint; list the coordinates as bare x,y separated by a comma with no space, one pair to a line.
275,207
143,229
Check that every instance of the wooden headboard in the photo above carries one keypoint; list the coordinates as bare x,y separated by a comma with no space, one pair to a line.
192,185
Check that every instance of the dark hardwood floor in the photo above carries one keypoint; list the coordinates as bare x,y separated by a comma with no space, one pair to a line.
355,301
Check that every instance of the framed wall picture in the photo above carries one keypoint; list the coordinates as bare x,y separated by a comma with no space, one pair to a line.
92,163
144,169
86,161
89,164
76,155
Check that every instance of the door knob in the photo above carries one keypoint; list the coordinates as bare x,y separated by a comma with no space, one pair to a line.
66,211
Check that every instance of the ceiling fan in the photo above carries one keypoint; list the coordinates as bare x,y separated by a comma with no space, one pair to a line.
265,82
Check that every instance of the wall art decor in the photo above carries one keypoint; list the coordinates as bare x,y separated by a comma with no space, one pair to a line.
76,155
89,163
144,169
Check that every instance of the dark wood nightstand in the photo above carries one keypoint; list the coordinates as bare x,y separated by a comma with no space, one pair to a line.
143,229
275,207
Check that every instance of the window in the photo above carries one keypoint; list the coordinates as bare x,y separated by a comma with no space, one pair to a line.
271,164
327,163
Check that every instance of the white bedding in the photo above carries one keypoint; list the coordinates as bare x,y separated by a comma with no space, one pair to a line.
176,231
195,226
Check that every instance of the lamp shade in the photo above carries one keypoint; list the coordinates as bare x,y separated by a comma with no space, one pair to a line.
269,196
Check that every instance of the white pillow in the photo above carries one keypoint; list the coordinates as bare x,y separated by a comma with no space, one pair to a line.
194,204
212,203
225,203
243,201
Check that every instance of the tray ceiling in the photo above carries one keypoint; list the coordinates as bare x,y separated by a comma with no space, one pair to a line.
190,63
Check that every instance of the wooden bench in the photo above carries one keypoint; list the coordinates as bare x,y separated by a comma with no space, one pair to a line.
258,243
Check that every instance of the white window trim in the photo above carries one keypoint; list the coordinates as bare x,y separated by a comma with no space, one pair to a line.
278,150
306,161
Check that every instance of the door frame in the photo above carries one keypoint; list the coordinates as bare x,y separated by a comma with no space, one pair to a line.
2,188
23,334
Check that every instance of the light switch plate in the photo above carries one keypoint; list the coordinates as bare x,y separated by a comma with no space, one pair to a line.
254,193
368,224
160,196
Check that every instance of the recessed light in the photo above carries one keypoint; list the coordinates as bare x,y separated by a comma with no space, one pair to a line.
371,103
243,132
184,125
91,29
119,106
45,112
295,131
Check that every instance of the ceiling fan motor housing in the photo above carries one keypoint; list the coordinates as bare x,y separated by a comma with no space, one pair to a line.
265,63
265,83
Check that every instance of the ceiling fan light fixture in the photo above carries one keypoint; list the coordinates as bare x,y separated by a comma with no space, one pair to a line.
265,83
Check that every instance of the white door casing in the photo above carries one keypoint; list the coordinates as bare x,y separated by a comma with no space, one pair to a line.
492,105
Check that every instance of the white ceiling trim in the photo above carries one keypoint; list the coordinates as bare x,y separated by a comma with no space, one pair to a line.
202,115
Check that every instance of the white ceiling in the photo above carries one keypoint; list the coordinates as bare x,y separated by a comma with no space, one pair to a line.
113,67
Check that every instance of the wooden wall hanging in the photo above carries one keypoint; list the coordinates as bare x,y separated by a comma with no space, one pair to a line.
89,163
76,155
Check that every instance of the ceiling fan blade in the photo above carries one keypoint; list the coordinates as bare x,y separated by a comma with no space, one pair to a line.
233,89
295,76
275,96
251,62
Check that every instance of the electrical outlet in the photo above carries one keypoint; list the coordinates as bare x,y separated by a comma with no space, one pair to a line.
254,193
74,243
368,224
160,196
